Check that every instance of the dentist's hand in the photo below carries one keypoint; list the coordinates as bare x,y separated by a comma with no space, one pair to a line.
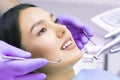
76,29
19,69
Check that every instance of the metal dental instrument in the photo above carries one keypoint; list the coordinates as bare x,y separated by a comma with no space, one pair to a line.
18,58
89,38
58,61
107,46
115,32
115,50
13,58
112,33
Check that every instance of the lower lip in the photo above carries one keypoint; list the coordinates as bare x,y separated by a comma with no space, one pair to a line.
72,46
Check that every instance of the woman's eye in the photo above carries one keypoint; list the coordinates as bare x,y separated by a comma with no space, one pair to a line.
42,31
57,21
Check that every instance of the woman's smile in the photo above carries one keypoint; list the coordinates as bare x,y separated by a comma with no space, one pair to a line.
68,44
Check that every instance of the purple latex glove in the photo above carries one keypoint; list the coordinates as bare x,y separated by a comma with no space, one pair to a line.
76,28
19,69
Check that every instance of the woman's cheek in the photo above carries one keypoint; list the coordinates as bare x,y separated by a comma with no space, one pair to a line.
49,49
44,49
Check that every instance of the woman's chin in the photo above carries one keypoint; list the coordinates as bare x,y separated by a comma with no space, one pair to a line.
70,59
75,56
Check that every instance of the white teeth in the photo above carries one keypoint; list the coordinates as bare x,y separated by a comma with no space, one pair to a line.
67,44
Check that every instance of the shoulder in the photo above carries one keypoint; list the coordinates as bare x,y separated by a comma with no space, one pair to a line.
95,74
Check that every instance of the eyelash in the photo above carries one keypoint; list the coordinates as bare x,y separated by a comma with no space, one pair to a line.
57,21
42,31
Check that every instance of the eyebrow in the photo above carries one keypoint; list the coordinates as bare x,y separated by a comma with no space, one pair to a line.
39,22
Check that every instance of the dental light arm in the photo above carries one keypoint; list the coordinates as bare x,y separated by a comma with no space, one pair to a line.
110,44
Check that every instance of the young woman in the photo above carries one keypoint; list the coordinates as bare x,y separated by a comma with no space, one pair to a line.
39,32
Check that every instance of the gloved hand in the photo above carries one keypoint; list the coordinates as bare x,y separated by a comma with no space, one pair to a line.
19,69
76,29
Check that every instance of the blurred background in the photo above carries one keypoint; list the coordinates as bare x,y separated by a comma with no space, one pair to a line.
84,10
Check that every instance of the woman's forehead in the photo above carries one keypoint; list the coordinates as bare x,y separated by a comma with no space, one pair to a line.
34,11
28,17
32,15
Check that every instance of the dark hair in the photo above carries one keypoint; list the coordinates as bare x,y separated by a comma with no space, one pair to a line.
9,25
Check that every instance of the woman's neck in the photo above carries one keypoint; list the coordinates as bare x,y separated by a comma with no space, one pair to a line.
66,75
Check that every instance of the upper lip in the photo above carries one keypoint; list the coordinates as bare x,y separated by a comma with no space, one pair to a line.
66,40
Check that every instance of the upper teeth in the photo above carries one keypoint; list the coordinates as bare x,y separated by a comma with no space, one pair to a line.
67,44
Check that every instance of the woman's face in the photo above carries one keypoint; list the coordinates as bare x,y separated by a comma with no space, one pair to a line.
45,38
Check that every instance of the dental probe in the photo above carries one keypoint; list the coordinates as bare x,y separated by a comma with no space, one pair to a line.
18,58
89,38
107,46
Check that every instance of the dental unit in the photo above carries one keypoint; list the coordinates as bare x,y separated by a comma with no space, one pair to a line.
114,42
110,22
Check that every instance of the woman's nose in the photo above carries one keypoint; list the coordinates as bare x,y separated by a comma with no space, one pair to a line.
60,31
